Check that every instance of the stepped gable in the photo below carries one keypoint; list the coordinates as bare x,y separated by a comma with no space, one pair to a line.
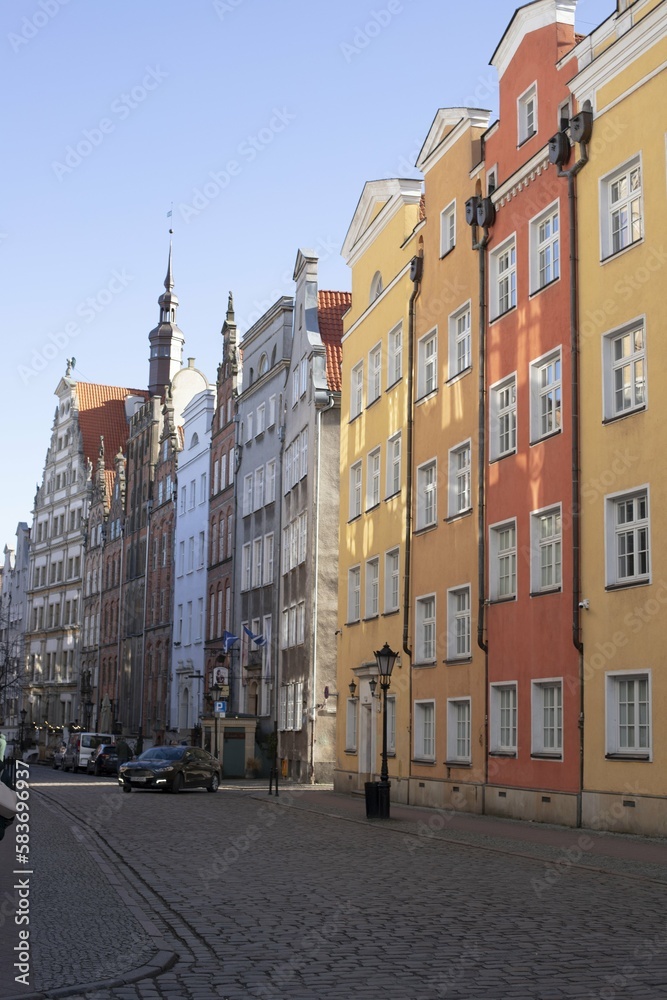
102,411
331,307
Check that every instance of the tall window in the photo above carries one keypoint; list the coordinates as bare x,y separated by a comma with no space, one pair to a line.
448,229
503,561
547,718
627,536
629,714
546,550
246,567
545,396
357,390
354,594
267,576
271,481
374,374
395,355
394,465
257,562
425,629
427,373
503,718
258,501
502,416
392,571
458,623
355,490
621,209
624,360
460,498
503,278
527,114
247,494
424,730
373,479
545,248
427,495
460,357
458,730
372,588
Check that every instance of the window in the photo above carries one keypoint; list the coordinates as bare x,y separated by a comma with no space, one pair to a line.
258,500
355,490
395,355
544,249
304,452
629,714
261,419
284,630
374,374
502,561
282,711
502,418
425,730
295,387
351,725
527,114
545,397
391,580
503,278
301,623
373,479
458,730
621,208
460,357
460,499
245,567
354,594
547,718
545,550
458,623
425,629
448,229
257,562
247,494
201,550
624,371
503,719
376,287
181,558
427,495
427,373
394,465
357,390
372,588
272,411
627,538
292,625
202,488
303,375
193,494
191,553
271,481
268,559
249,423
303,536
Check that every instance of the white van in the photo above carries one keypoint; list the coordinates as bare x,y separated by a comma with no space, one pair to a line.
80,748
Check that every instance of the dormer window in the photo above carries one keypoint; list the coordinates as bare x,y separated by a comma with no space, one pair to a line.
376,286
527,114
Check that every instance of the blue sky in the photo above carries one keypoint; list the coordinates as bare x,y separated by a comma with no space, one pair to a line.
260,120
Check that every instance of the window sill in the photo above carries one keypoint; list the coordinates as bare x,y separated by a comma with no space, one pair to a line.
372,402
372,507
394,384
503,753
543,755
451,661
545,437
627,584
447,252
427,527
356,621
457,517
459,375
617,253
387,614
548,284
527,138
356,517
626,413
424,762
427,395
392,496
502,600
370,618
646,757
500,315
458,763
356,416
348,750
499,458
425,663
545,593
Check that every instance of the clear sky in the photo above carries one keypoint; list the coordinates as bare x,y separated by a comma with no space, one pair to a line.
260,120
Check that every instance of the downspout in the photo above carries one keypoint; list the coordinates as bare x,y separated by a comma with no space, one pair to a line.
580,129
321,410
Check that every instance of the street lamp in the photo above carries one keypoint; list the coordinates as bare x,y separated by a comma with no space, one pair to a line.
385,659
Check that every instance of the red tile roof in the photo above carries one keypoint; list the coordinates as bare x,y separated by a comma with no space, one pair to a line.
330,309
102,411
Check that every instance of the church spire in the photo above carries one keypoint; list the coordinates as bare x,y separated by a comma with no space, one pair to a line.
166,340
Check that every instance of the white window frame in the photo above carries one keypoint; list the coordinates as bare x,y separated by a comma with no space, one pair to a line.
617,744
448,228
460,340
393,484
502,418
616,550
526,107
272,411
351,725
374,374
267,574
503,278
427,494
460,479
503,718
246,567
426,629
546,396
372,606
547,718
459,622
392,580
248,489
356,474
545,248
424,719
257,562
354,594
613,367
258,493
459,730
271,481
427,364
546,551
261,419
500,591
356,390
395,355
373,469
610,242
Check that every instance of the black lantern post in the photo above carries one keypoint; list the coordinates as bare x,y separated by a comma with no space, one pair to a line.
385,659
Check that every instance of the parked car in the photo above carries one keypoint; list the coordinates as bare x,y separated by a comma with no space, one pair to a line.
171,769
81,747
29,755
59,755
103,760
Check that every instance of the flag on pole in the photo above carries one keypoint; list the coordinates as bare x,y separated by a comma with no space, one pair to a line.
259,640
228,640
169,214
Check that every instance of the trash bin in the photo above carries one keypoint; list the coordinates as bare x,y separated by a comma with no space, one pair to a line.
372,800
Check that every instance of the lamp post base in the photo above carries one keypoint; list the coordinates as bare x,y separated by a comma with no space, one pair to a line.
383,799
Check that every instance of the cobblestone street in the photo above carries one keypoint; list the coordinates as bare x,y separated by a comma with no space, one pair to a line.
237,895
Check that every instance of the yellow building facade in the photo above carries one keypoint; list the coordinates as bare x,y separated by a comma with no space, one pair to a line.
380,245
621,220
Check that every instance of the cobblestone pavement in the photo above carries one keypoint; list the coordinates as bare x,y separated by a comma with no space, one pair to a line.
238,895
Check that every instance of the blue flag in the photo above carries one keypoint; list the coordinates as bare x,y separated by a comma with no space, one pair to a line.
228,640
259,640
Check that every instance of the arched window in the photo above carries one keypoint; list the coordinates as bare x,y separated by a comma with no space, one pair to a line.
263,365
195,440
376,286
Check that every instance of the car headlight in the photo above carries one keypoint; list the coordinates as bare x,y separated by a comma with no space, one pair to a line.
169,767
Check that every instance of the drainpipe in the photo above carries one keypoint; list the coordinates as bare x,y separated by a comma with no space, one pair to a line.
320,411
559,151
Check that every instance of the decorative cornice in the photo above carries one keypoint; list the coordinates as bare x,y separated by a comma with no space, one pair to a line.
521,178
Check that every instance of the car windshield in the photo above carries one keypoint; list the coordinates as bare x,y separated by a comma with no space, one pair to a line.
163,753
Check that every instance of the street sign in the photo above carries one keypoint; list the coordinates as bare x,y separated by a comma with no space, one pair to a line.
220,708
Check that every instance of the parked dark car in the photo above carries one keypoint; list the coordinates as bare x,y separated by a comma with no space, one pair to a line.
171,769
59,755
104,760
